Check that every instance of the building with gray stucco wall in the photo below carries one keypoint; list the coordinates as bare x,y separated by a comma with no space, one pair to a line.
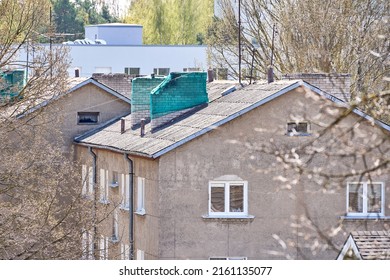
238,179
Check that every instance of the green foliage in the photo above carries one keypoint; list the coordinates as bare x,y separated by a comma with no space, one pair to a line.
172,21
70,17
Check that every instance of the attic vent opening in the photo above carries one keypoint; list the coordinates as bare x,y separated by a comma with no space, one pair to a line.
87,117
297,128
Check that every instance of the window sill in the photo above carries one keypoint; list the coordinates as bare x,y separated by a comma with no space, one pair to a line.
226,218
104,201
141,212
298,134
113,185
124,208
364,217
114,239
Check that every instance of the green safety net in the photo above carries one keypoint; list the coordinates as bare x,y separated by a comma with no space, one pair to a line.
177,92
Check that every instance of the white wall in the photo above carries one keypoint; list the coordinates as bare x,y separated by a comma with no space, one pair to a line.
89,57
115,33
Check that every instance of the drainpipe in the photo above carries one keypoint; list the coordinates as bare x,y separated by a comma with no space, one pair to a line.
94,209
131,206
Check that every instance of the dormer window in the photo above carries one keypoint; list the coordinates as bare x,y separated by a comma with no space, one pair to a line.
297,128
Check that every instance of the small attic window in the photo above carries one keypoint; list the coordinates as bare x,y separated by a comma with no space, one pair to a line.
87,117
297,128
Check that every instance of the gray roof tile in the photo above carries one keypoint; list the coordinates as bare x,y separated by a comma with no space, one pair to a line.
221,108
372,244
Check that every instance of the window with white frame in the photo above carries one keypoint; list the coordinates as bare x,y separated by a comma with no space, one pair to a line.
125,191
140,195
133,71
103,247
115,226
103,186
87,180
365,199
228,198
87,245
125,251
161,71
140,254
298,128
114,180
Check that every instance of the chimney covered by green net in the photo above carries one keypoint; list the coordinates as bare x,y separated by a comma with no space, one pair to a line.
176,95
140,98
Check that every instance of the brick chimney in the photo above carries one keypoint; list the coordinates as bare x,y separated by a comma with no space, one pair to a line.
119,82
140,98
337,84
176,95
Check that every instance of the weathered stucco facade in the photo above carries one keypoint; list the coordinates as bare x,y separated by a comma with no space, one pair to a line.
291,213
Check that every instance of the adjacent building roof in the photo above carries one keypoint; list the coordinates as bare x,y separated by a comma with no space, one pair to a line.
72,85
226,102
366,245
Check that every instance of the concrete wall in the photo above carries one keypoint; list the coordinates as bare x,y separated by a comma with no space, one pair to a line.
290,219
145,226
279,208
115,33
89,98
146,57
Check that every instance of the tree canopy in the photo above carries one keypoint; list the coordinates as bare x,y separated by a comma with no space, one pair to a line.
172,21
70,17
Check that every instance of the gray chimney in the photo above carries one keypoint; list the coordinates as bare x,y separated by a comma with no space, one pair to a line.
123,125
143,127
270,75
336,84
210,75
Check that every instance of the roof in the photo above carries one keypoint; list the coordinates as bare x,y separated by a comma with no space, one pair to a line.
367,245
223,107
72,85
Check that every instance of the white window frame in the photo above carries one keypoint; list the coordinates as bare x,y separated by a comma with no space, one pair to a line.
226,213
115,179
161,71
87,181
365,212
115,227
125,251
140,254
125,191
87,245
103,186
103,247
141,196
129,70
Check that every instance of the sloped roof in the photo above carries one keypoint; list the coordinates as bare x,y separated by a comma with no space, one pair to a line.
224,106
72,85
367,245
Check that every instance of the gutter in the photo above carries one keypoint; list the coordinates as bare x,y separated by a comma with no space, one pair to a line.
131,206
94,209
